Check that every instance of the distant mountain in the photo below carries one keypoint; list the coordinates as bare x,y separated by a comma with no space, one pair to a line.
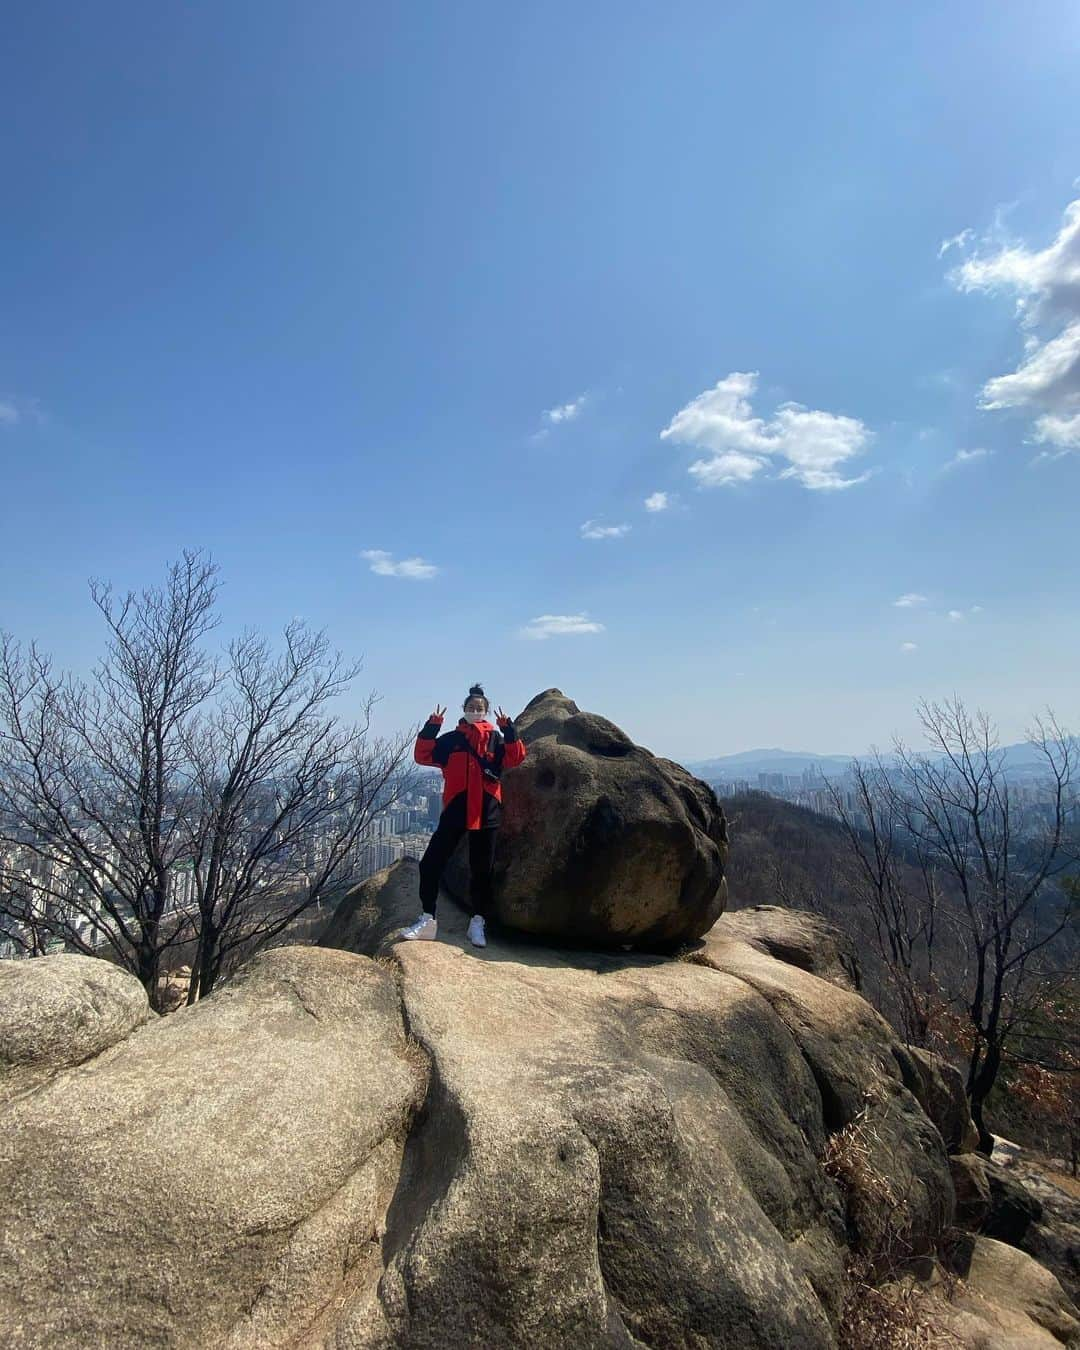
749,763
745,756
1023,762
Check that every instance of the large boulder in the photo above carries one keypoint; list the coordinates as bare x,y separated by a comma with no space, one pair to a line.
602,842
885,1149
1006,1301
972,1189
1013,1205
56,1011
616,1151
370,915
1048,1210
939,1086
218,1177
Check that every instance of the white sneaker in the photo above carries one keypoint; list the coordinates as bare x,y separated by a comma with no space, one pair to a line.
476,931
423,929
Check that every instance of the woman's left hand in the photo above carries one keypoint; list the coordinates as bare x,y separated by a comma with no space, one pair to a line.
501,717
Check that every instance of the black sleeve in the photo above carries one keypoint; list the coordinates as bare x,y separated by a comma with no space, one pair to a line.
440,751
509,732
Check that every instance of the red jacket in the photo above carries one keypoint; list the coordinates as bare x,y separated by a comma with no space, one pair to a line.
461,772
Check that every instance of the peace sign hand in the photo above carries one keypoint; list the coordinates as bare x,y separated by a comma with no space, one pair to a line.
437,715
501,717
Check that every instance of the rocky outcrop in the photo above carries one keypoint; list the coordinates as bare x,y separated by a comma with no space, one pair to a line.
602,842
1006,1301
798,938
902,1175
614,1152
972,1189
369,917
1045,1211
517,1146
218,1177
1012,1205
939,1086
56,1011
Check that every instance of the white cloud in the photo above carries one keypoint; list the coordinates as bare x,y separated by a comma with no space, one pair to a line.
559,625
730,467
565,412
657,501
909,600
383,565
1046,284
815,444
909,646
1054,429
1048,378
967,457
956,615
1060,432
9,414
976,609
590,530
960,240
721,418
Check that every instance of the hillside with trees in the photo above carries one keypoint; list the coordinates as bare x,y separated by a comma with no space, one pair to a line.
915,959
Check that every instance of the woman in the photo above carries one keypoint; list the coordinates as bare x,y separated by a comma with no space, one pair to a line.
472,757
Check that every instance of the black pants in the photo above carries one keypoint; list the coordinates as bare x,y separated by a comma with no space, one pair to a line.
442,843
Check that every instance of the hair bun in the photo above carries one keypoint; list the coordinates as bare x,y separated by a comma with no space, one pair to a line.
477,691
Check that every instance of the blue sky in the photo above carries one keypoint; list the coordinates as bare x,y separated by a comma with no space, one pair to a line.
390,308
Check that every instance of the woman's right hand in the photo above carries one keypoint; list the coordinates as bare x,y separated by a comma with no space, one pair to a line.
437,715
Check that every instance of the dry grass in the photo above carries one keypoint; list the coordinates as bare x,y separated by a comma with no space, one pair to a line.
388,962
886,1306
878,1219
894,1315
415,1055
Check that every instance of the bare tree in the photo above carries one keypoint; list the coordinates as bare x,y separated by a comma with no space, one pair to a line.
24,922
960,807
906,912
1043,1063
800,891
955,810
92,774
286,794
169,766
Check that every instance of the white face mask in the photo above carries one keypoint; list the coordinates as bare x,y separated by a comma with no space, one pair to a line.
475,716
